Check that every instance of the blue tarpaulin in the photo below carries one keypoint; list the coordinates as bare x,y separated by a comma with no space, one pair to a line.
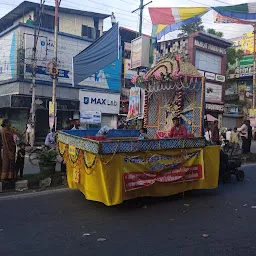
97,56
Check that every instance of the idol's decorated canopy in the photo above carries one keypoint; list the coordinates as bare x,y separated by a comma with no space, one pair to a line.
172,72
174,88
166,20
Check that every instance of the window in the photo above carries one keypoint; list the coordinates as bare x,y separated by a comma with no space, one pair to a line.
90,32
208,62
48,21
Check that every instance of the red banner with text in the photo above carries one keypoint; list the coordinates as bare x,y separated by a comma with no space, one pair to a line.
148,168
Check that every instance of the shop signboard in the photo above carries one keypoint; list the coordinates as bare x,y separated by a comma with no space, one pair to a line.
106,103
215,107
210,76
220,78
90,117
213,92
210,47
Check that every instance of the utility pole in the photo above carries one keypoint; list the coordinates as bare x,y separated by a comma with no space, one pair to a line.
37,24
142,6
55,61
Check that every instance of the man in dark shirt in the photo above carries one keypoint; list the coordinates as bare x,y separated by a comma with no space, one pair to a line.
215,133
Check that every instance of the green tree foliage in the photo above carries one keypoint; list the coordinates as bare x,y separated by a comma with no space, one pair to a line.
214,32
233,54
191,28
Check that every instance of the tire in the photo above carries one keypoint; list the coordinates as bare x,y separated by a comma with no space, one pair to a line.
33,157
226,178
240,175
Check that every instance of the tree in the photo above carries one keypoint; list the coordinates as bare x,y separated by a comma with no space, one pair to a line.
233,54
214,32
191,28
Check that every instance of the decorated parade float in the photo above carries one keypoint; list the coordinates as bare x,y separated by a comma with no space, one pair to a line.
117,166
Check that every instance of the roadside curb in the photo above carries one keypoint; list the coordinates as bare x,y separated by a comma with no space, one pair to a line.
32,194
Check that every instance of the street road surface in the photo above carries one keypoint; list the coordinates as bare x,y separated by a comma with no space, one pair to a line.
64,223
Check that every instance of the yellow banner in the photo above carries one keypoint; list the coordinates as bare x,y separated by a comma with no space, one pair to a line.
252,113
51,108
175,166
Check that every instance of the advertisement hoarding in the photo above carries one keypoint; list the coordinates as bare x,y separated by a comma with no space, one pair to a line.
140,52
213,92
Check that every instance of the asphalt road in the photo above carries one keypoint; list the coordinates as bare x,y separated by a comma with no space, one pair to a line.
58,223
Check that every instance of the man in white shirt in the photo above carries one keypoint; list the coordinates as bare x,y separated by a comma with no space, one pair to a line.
228,134
244,136
113,19
208,134
30,133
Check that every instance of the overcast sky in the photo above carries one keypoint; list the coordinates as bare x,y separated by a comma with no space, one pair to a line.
123,9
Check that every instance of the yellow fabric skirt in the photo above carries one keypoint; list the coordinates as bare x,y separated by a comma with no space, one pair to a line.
111,179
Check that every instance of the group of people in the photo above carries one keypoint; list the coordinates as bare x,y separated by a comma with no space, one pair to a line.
212,134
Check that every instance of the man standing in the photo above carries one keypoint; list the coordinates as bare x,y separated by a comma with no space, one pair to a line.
248,123
113,19
244,136
178,130
215,133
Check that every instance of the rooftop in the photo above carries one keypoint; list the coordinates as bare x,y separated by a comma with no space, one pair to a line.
26,7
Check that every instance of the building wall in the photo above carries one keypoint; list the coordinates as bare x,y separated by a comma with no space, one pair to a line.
16,54
68,23
9,44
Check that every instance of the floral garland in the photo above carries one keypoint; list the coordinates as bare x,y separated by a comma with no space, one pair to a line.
159,77
89,164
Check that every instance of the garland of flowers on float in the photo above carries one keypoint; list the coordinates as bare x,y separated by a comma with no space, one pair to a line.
174,79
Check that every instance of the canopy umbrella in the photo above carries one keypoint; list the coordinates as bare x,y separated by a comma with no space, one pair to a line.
210,118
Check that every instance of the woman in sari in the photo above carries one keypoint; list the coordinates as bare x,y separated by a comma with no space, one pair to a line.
8,171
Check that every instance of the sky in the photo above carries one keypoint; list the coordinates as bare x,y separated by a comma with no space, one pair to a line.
123,12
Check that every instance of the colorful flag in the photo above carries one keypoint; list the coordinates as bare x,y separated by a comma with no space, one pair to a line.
244,12
171,19
220,19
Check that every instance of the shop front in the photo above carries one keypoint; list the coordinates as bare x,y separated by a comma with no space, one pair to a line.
107,104
214,112
17,109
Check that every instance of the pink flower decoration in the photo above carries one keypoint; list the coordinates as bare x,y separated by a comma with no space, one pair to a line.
158,75
178,57
145,77
134,79
176,74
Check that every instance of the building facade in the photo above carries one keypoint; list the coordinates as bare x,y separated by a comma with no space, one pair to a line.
239,90
78,29
208,54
